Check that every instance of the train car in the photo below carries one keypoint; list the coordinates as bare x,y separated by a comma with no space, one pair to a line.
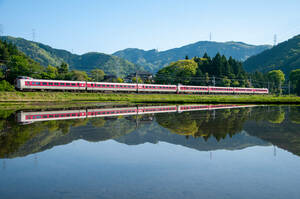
29,117
106,112
157,88
192,89
106,86
221,90
240,90
260,91
43,84
156,109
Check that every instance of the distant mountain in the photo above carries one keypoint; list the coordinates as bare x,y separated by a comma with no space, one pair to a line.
284,56
154,60
46,55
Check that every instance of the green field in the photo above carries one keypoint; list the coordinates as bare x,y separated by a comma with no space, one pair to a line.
23,97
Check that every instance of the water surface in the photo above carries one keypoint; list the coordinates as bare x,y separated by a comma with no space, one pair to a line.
212,152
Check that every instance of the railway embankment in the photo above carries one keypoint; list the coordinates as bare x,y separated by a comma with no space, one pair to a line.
67,97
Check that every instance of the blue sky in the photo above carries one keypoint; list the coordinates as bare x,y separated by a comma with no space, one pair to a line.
110,25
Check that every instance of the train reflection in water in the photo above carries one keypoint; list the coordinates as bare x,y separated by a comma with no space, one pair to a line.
37,116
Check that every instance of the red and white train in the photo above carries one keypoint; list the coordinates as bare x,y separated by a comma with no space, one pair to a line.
27,83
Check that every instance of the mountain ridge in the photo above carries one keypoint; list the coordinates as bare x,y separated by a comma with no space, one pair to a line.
285,56
153,60
46,55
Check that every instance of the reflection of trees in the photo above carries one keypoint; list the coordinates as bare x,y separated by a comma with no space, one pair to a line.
277,117
39,136
294,114
203,124
271,124
13,135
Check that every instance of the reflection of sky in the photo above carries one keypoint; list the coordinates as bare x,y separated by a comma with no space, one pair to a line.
113,170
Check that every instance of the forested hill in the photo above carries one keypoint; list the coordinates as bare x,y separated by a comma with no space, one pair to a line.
284,56
46,55
154,60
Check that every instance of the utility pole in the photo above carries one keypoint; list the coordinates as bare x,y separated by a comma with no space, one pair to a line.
250,82
289,87
214,81
137,82
210,36
275,40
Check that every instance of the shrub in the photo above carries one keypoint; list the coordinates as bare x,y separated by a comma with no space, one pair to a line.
5,86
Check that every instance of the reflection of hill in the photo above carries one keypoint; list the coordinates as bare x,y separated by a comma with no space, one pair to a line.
285,134
154,133
24,140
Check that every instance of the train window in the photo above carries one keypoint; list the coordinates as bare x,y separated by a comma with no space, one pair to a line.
45,116
44,83
50,116
73,114
50,84
56,116
62,115
73,84
68,84
68,115
56,84
62,84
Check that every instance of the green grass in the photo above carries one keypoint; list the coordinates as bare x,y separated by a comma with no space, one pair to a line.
20,97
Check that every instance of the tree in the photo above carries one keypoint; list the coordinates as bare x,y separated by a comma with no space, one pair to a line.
277,77
21,66
120,80
295,80
181,71
235,83
134,80
63,68
226,82
97,75
77,75
5,86
50,72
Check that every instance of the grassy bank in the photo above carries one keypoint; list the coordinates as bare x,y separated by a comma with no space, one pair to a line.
20,97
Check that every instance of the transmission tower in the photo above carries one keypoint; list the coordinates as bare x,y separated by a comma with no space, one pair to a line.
33,34
275,40
210,36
